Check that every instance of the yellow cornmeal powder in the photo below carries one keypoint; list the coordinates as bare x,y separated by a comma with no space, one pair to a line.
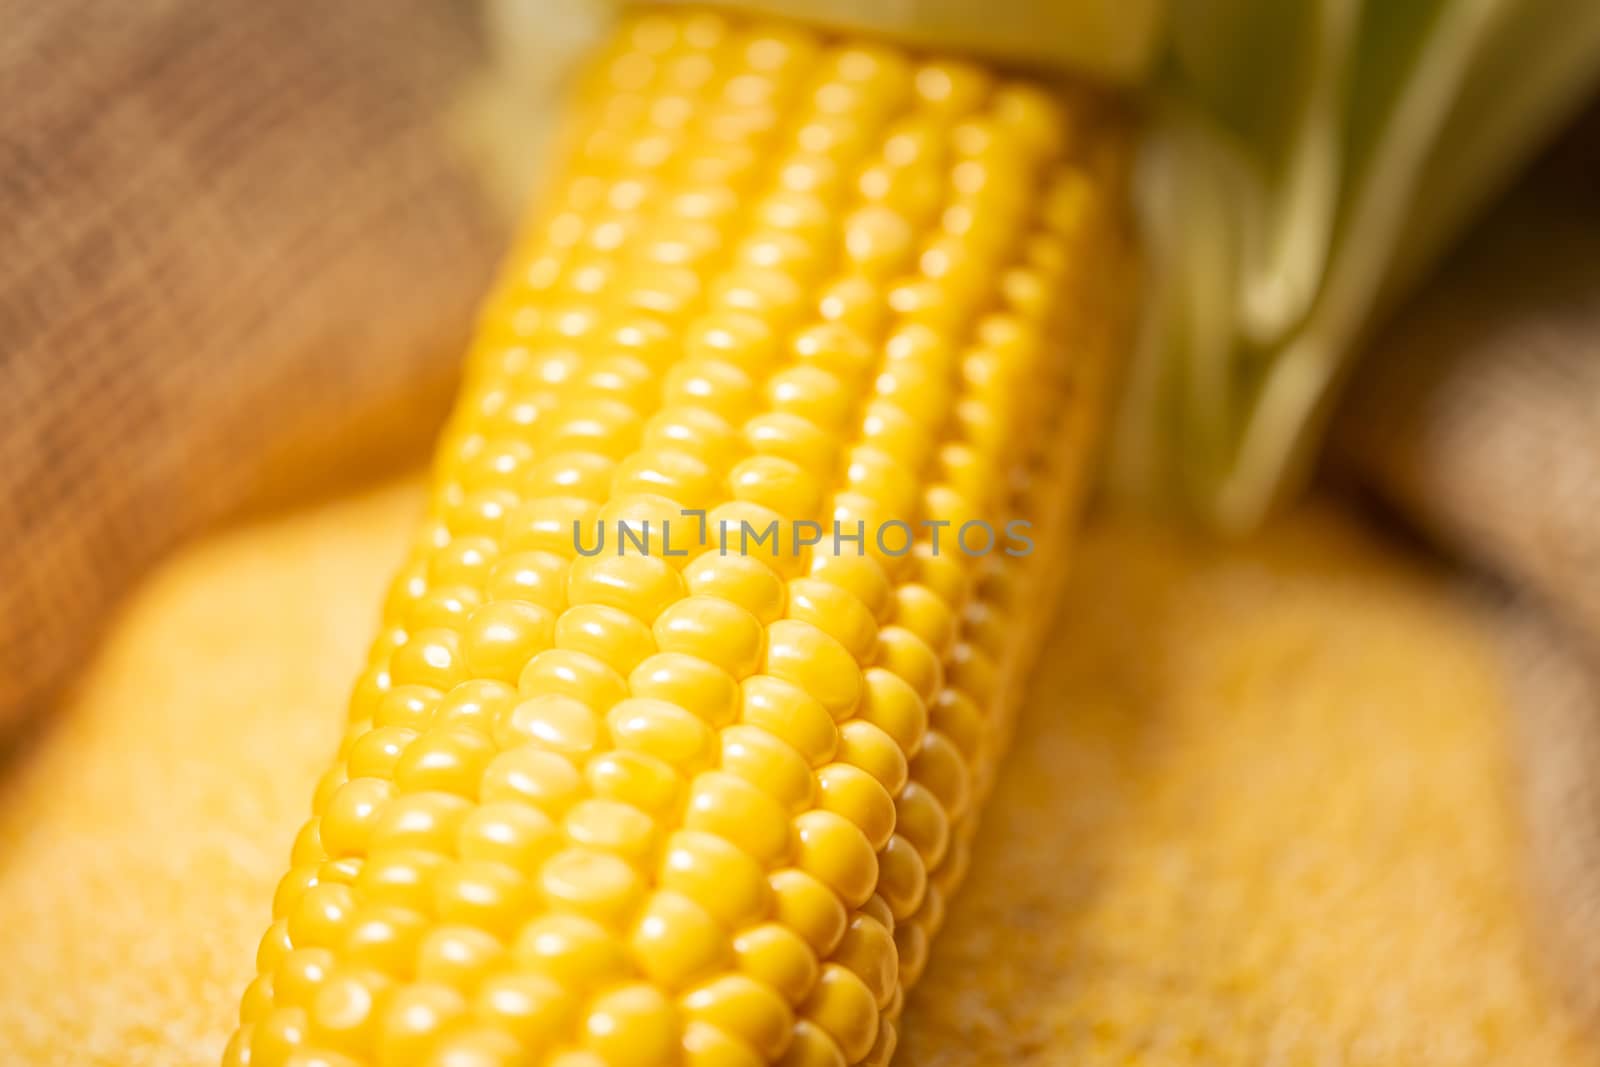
1256,813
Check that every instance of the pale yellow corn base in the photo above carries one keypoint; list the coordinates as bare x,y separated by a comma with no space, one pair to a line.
1130,904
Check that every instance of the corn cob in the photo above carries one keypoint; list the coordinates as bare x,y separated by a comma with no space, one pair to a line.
700,799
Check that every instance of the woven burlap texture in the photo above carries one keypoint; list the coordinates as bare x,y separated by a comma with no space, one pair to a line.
239,256
1477,418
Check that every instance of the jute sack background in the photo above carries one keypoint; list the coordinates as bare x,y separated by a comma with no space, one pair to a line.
238,257
1476,417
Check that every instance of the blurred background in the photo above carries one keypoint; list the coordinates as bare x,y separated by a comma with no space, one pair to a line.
1310,774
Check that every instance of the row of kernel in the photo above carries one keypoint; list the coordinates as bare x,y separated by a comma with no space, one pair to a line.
1043,263
988,189
902,189
797,685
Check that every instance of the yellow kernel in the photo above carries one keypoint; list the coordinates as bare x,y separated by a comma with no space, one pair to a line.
809,907
716,875
716,386
606,633
730,807
875,473
464,561
811,393
344,1014
651,525
902,877
855,302
574,675
498,465
921,820
643,781
836,612
908,657
299,975
576,474
385,939
858,574
943,573
591,883
546,527
536,577
714,630
257,1000
238,1050
459,957
834,850
640,585
1033,116
853,793
351,813
732,336
775,954
801,653
431,658
868,952
410,707
812,1046
532,1008
974,671
694,431
774,250
485,895
887,426
322,917
743,580
941,769
680,476
878,240
530,775
475,1046
514,835
676,941
561,724
792,438
375,752
961,721
399,879
911,944
927,615
447,759
622,378
780,484
633,1026
747,1009
768,762
706,1046
500,637
277,1036
894,706
693,683
836,348
427,821
659,729
412,1020
599,425
612,826
275,943
789,713
841,1004
444,608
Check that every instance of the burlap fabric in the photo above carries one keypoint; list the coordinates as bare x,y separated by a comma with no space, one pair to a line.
1477,417
237,255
